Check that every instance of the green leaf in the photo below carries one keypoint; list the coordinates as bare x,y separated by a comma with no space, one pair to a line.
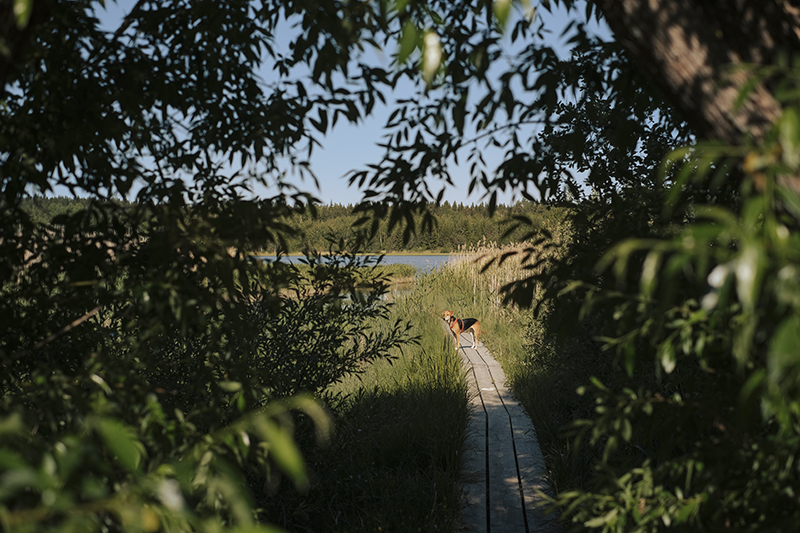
601,521
789,136
283,450
12,424
408,41
649,273
749,267
10,459
751,386
432,57
230,386
687,510
501,10
120,440
790,199
783,349
17,480
666,355
22,12
627,430
322,421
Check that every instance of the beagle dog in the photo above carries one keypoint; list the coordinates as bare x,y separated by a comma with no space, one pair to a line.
462,325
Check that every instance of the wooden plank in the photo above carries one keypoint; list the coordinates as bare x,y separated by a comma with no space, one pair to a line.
533,471
513,465
506,512
475,515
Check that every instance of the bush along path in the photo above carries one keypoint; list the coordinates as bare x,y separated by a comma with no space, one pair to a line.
503,468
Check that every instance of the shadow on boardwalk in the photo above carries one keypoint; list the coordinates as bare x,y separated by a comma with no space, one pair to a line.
503,468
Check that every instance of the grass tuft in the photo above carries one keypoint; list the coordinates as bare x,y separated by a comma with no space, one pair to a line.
394,462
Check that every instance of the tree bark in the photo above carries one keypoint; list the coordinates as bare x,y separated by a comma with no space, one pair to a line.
696,52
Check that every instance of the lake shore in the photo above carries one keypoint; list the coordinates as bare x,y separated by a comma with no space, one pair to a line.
261,253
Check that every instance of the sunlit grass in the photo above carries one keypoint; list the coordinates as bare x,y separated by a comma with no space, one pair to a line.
540,371
394,461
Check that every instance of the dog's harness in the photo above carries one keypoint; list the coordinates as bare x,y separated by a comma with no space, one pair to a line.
463,323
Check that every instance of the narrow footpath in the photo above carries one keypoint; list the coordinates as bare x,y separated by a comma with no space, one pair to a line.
503,466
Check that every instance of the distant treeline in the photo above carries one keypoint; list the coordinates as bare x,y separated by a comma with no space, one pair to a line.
43,209
457,225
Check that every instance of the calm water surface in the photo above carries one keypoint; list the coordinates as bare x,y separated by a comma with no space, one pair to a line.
421,262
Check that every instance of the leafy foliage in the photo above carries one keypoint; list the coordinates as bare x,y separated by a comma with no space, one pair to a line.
549,117
689,326
134,331
692,425
138,390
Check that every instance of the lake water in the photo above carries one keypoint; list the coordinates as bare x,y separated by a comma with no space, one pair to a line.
421,262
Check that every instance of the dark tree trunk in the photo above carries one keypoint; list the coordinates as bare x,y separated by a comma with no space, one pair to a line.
696,50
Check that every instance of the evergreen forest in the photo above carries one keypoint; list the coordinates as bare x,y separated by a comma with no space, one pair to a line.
457,226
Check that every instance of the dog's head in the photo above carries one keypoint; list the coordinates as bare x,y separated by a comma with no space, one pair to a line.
447,316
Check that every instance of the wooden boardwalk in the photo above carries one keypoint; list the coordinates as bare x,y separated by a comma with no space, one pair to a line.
503,467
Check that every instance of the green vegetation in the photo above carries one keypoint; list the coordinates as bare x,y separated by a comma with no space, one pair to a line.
174,414
393,462
457,226
157,377
543,372
651,393
396,274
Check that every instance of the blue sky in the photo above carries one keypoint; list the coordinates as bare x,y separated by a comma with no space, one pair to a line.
350,146
353,146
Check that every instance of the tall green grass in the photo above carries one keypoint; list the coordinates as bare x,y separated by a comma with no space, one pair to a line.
393,464
473,290
543,371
